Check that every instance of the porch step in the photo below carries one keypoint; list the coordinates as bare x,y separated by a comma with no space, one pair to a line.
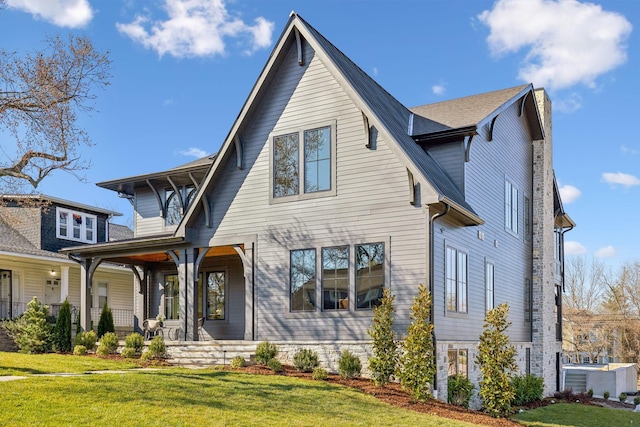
208,353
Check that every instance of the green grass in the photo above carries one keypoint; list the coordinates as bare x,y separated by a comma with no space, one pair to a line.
183,397
29,364
568,414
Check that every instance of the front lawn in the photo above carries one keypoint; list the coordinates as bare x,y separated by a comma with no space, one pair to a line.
577,415
182,397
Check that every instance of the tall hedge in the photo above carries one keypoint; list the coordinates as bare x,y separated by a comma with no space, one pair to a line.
62,330
105,324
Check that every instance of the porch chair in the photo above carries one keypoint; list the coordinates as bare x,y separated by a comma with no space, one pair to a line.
151,328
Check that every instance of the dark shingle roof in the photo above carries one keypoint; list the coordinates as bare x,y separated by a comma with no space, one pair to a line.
14,242
119,232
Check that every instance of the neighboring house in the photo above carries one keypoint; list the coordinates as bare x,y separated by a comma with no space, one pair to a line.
592,337
32,231
327,190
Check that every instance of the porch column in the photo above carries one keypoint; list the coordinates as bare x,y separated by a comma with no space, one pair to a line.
85,295
248,258
188,294
64,283
139,296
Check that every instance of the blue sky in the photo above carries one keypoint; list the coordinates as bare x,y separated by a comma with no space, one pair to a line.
183,68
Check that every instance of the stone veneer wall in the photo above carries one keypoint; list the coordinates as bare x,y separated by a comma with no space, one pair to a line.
328,352
545,346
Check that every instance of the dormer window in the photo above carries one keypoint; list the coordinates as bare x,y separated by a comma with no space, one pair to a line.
77,226
303,163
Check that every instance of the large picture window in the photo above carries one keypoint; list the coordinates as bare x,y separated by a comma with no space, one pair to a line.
78,226
335,278
303,280
303,163
369,275
456,280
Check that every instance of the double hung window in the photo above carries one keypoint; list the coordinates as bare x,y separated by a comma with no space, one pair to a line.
510,207
456,280
489,285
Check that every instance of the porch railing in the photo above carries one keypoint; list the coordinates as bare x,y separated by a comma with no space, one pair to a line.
121,317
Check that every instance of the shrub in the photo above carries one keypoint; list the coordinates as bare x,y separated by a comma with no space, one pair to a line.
527,388
87,339
384,361
105,324
110,341
146,355
417,365
128,353
31,331
157,348
305,360
590,392
102,350
134,341
319,374
62,330
459,390
349,365
265,352
623,397
497,359
636,400
238,362
79,350
606,395
275,365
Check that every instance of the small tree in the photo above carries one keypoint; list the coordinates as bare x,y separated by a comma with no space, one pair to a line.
62,330
497,360
31,332
385,349
105,324
417,367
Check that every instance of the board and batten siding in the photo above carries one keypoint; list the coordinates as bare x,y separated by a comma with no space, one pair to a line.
507,156
371,205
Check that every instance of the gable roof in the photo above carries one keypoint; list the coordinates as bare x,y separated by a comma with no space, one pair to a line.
58,201
473,112
12,243
383,111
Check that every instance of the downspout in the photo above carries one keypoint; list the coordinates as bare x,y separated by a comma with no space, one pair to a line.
432,219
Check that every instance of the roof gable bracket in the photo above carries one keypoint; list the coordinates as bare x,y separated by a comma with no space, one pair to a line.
522,102
204,200
239,153
414,190
491,127
177,192
368,132
158,198
467,147
299,46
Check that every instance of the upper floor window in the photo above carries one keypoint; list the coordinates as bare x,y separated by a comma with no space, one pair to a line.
177,203
510,207
489,285
456,280
303,163
72,225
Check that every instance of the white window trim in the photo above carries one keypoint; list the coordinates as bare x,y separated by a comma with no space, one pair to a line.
83,229
458,250
301,172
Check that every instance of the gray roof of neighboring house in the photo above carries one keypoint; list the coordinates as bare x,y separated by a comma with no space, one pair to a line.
60,201
119,232
12,241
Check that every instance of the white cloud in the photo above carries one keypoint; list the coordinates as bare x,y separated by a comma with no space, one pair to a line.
439,89
566,42
568,104
620,178
569,193
196,28
574,248
606,252
62,13
194,152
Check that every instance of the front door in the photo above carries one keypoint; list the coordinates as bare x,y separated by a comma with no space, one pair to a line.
52,292
5,294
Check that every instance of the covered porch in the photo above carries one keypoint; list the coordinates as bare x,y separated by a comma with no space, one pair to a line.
198,293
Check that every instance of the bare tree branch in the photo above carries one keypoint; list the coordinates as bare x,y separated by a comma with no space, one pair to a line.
40,96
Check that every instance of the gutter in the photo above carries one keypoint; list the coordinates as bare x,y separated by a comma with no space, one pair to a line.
432,219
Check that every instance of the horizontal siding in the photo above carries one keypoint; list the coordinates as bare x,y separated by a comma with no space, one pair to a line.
371,204
507,155
147,219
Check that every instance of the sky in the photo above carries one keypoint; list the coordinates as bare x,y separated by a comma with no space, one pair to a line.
182,69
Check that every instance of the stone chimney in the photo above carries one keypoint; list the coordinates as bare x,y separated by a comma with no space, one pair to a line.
546,351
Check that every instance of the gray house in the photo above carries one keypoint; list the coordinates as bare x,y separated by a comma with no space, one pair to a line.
327,190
